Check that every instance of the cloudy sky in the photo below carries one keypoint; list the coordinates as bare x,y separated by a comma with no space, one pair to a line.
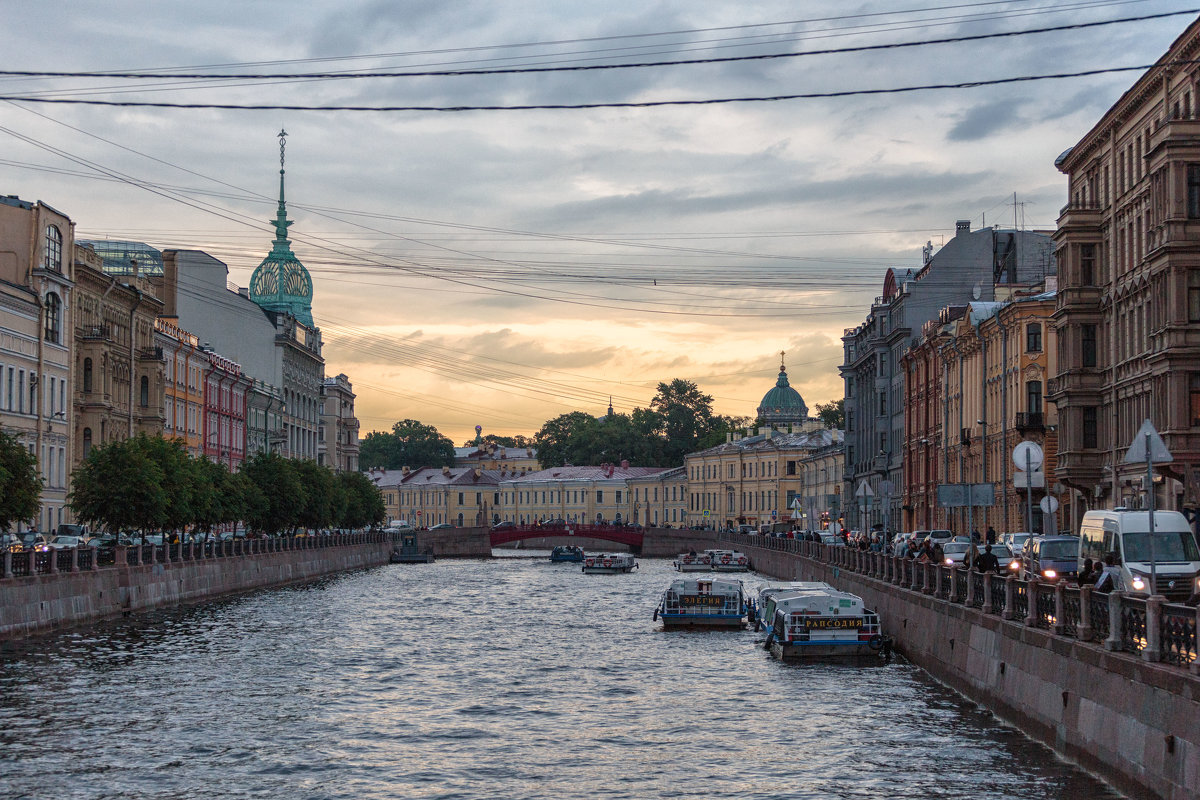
501,267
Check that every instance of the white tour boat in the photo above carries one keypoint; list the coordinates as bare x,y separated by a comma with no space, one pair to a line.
608,563
763,610
693,562
709,602
728,561
821,622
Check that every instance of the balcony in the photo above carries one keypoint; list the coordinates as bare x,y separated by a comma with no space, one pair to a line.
1080,215
150,354
1028,421
97,333
964,437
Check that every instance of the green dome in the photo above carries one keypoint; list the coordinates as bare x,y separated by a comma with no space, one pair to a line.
281,283
783,403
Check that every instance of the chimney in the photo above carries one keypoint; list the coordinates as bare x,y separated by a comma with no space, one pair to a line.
962,226
405,471
445,470
728,437
624,463
478,474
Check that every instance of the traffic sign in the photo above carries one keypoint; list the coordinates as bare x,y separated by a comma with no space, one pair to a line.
1148,446
864,489
706,512
773,514
795,502
1049,504
418,513
1027,455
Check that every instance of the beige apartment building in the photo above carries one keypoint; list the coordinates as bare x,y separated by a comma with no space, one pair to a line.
37,245
459,496
820,497
659,499
574,494
1128,313
751,480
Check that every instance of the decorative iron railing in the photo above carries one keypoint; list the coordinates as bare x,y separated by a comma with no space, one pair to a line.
1133,624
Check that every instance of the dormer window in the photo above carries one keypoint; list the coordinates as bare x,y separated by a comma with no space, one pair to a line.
53,248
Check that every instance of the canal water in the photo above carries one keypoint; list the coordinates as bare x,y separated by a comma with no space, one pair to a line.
511,678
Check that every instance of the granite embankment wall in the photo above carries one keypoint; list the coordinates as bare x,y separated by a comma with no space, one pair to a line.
474,542
35,604
1135,722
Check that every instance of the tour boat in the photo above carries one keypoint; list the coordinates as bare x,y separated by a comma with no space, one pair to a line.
728,561
566,552
693,562
821,622
608,563
764,609
709,602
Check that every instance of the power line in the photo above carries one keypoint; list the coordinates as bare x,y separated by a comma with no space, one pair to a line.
582,106
308,76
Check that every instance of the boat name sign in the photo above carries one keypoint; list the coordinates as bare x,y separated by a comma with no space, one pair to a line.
834,622
701,600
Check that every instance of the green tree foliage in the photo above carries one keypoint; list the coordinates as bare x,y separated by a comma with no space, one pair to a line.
324,501
685,419
408,444
364,501
833,413
282,491
502,441
119,487
20,485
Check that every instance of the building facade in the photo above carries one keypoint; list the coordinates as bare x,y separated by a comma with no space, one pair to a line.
575,494
1128,314
226,394
459,496
659,500
820,496
183,385
37,265
337,446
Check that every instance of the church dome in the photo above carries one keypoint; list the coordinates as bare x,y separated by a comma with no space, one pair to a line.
281,283
782,404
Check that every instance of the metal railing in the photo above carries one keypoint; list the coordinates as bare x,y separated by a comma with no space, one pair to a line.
23,563
1155,630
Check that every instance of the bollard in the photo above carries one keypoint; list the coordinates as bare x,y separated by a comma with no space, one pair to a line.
987,593
1154,609
1113,642
1031,602
1060,608
1083,631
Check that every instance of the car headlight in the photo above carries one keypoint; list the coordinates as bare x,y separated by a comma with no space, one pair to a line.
1138,583
1049,573
949,560
1014,565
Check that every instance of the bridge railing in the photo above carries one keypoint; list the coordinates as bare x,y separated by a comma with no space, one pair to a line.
1149,627
22,563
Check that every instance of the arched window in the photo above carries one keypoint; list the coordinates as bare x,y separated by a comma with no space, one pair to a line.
53,318
87,441
87,375
144,394
53,248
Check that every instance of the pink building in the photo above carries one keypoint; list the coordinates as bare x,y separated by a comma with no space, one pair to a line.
225,392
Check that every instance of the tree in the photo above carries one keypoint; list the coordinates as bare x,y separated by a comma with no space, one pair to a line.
833,413
409,444
565,439
685,418
119,487
324,501
516,440
181,477
20,485
364,501
282,490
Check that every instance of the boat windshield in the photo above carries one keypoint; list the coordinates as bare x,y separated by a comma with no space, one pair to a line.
1168,546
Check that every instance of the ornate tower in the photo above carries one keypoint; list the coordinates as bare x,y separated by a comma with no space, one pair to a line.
281,283
782,405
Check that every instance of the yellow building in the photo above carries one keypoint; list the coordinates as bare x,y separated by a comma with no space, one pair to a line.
459,496
658,500
183,385
750,480
491,456
574,494
820,486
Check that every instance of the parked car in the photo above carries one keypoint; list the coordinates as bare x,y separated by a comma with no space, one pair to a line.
32,540
956,552
1016,541
940,536
1051,558
505,524
66,542
441,526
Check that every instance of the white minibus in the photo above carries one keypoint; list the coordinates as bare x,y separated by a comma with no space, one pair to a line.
1125,535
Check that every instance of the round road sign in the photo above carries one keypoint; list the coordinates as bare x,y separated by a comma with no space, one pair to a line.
1027,455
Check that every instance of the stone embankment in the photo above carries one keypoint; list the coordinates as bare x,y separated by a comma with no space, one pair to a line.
1106,680
40,592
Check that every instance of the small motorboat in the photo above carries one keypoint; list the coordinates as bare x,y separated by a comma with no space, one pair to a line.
608,563
728,561
566,552
708,602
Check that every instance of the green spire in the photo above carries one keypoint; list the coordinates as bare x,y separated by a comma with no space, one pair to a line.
281,283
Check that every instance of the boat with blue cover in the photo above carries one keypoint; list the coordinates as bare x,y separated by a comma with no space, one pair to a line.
566,552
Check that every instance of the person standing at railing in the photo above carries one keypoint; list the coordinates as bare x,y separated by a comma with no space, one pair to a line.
1110,578
987,561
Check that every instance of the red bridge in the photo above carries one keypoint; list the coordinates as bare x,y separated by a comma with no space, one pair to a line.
621,534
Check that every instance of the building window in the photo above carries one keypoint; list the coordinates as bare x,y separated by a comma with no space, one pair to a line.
1193,295
618,497
1193,191
144,392
54,248
1087,264
1090,435
53,318
1087,345
600,496
1194,399
1033,337
1033,397
882,404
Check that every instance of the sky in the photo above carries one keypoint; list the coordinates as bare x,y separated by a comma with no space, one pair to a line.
503,267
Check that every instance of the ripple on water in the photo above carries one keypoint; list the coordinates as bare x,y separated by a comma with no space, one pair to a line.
511,678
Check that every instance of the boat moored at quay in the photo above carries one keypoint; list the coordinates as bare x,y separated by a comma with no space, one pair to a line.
708,602
693,562
819,621
566,552
608,563
728,561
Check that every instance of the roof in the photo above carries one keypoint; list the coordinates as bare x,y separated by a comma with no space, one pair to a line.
809,440
434,476
782,402
601,473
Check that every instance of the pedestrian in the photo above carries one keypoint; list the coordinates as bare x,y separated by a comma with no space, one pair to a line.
1110,577
991,535
1087,574
987,561
972,556
938,553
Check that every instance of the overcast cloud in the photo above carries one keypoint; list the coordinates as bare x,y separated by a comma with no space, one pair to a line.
580,253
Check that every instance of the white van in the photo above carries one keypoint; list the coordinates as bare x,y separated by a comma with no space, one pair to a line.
1125,534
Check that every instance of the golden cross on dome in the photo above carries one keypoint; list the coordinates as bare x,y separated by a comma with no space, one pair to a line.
782,353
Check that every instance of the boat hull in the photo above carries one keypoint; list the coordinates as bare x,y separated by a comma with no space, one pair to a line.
803,651
708,621
731,568
566,559
605,570
681,567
